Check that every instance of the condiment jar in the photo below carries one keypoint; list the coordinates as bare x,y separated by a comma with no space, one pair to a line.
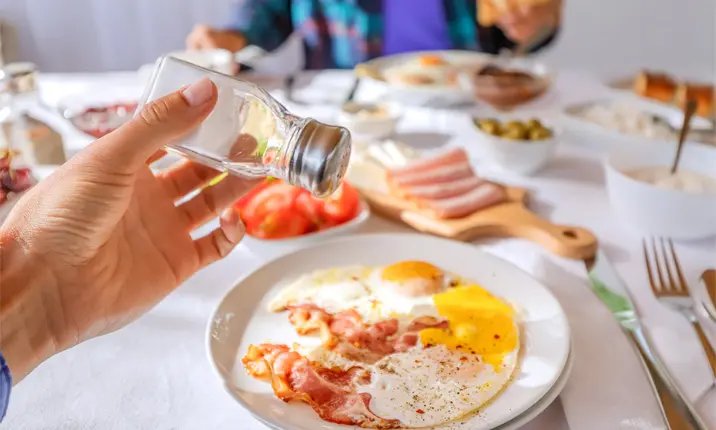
249,133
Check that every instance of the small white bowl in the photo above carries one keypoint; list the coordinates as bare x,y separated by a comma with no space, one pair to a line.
519,156
655,211
271,247
377,127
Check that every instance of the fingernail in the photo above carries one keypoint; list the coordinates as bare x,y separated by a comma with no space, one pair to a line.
232,225
199,92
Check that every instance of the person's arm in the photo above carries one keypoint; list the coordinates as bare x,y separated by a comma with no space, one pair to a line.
493,39
264,23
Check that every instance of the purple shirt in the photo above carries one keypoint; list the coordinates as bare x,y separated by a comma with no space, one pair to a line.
414,26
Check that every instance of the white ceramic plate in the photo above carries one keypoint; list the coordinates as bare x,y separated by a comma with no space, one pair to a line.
428,95
242,318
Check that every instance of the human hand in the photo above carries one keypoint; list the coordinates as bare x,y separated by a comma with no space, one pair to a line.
205,37
525,21
100,242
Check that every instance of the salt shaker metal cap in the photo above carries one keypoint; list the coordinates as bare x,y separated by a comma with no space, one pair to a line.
321,157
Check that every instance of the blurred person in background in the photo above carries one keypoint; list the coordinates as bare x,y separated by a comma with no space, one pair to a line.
343,33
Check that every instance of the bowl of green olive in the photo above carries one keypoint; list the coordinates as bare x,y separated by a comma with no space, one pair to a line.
516,145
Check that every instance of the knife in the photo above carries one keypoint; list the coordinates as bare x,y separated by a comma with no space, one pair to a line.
607,285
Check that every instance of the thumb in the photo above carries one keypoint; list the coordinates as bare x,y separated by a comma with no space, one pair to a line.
158,123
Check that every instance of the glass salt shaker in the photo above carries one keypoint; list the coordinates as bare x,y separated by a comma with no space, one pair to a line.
249,133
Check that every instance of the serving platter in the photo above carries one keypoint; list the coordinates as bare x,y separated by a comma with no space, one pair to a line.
509,219
242,318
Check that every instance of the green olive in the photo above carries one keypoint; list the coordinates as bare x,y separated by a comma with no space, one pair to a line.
534,123
514,133
490,126
540,134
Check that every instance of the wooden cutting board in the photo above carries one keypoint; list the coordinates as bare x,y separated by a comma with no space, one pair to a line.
509,219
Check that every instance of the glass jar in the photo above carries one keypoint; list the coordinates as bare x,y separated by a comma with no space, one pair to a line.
250,133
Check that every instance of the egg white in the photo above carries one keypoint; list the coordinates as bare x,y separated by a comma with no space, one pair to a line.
425,387
357,287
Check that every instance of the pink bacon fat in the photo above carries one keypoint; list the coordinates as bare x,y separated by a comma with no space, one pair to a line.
442,190
485,195
449,157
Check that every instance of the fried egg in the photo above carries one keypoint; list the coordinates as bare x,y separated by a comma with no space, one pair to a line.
421,71
403,290
425,387
451,371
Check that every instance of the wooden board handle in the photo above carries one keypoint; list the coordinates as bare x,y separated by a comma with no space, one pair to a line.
564,240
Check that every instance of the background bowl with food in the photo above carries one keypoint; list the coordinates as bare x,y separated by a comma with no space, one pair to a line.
652,201
507,83
279,215
370,120
518,146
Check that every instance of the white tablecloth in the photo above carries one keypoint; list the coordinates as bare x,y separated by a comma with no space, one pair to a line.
154,374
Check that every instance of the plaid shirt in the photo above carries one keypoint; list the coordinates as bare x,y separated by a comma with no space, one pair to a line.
343,33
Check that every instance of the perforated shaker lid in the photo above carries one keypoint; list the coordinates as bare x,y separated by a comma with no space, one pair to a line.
321,157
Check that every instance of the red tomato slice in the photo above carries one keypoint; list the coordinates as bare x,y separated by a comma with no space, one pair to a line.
342,205
241,203
311,208
280,224
274,197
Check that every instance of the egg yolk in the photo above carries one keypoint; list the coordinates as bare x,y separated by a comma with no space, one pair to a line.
479,323
431,60
406,270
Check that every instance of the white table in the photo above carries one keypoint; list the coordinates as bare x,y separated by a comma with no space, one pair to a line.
154,374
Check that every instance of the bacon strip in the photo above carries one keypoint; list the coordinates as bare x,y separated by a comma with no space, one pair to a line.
485,195
331,393
451,156
439,175
347,335
442,190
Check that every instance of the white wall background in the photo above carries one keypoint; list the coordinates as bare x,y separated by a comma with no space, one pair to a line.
611,38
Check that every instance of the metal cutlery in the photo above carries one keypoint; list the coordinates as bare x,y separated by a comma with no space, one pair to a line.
709,280
608,286
671,289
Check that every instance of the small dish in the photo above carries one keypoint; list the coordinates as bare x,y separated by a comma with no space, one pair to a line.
656,211
369,120
523,157
508,83
270,247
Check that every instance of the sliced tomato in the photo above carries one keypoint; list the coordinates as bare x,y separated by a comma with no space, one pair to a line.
311,208
241,203
279,224
342,205
274,197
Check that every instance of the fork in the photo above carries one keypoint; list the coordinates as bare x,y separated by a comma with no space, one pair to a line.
674,293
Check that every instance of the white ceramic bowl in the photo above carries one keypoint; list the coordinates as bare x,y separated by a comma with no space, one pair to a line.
270,248
654,211
517,156
369,126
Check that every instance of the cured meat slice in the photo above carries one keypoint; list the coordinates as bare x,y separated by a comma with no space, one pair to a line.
332,393
460,206
449,157
439,175
442,190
